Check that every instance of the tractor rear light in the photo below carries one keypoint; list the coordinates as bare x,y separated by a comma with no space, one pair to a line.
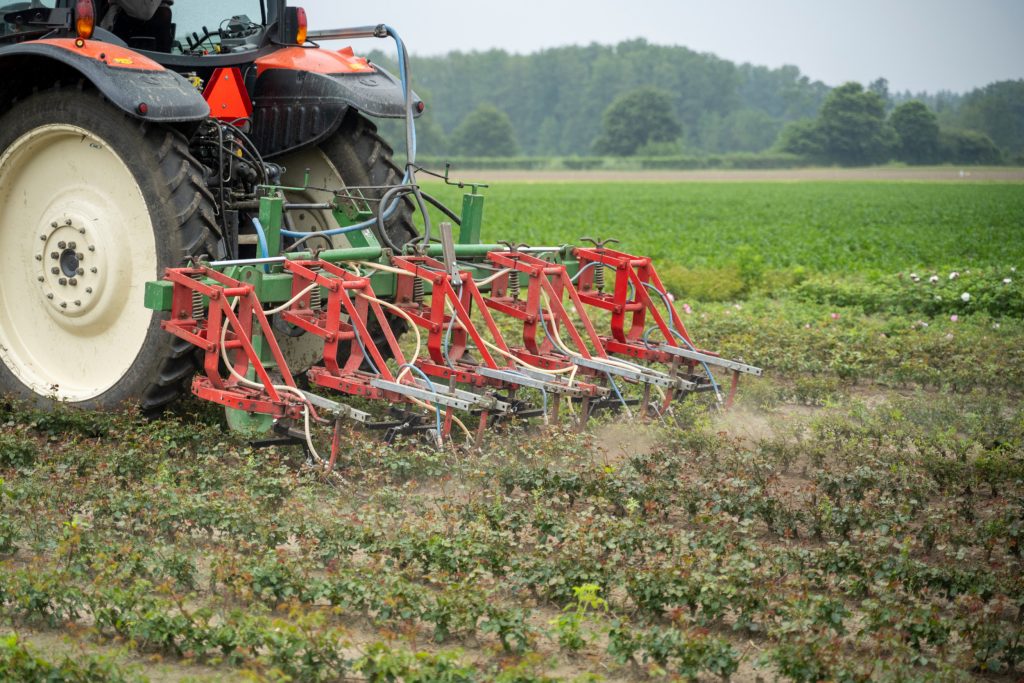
302,23
85,19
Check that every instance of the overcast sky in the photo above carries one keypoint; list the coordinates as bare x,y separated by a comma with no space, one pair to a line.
917,44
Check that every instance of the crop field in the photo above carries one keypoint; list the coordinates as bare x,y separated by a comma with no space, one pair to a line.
857,516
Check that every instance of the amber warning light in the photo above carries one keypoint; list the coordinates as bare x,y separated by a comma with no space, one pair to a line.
85,19
303,29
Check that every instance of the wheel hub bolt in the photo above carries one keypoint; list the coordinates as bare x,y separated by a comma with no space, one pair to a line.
63,282
55,255
73,282
55,271
81,271
62,245
80,256
72,245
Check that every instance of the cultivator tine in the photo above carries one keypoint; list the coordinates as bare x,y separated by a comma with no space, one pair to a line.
631,305
549,285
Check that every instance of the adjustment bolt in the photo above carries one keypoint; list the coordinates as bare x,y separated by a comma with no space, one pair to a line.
94,270
88,290
63,282
41,279
39,257
64,304
81,231
50,297
55,255
62,245
42,238
78,303
92,248
53,224
67,222
73,282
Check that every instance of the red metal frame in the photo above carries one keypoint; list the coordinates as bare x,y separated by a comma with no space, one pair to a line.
329,326
207,333
547,284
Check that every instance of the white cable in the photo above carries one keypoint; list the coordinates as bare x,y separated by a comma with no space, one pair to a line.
415,357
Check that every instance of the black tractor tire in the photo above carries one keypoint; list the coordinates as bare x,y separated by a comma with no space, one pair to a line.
364,158
358,157
174,215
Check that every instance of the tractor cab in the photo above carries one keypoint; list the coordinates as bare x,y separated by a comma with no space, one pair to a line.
177,29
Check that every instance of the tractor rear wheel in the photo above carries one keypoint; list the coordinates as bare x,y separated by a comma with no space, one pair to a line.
93,204
355,156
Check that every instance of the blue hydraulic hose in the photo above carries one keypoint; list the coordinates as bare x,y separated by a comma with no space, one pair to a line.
411,152
615,388
261,235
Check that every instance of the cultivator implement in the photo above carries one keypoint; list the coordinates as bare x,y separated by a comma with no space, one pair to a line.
437,335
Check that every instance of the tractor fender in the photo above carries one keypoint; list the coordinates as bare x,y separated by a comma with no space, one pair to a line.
132,82
301,96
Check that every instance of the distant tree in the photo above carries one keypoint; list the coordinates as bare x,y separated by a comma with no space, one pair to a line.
880,86
749,130
917,129
803,138
854,128
998,111
485,132
968,147
640,117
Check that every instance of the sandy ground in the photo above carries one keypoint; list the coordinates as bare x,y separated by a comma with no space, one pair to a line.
935,174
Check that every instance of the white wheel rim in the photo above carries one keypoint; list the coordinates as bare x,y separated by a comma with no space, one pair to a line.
69,203
323,177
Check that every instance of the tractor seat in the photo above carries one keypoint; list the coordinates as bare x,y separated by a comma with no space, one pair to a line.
154,35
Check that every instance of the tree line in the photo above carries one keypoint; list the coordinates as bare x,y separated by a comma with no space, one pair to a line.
639,99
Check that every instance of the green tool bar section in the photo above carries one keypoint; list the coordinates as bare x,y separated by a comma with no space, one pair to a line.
275,286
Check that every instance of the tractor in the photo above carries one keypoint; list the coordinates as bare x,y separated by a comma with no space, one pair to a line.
194,194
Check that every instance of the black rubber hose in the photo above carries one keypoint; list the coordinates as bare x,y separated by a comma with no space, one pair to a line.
382,233
444,209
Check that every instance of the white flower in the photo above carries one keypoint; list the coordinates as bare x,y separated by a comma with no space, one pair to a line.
1013,269
995,326
954,275
1007,280
933,279
965,297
